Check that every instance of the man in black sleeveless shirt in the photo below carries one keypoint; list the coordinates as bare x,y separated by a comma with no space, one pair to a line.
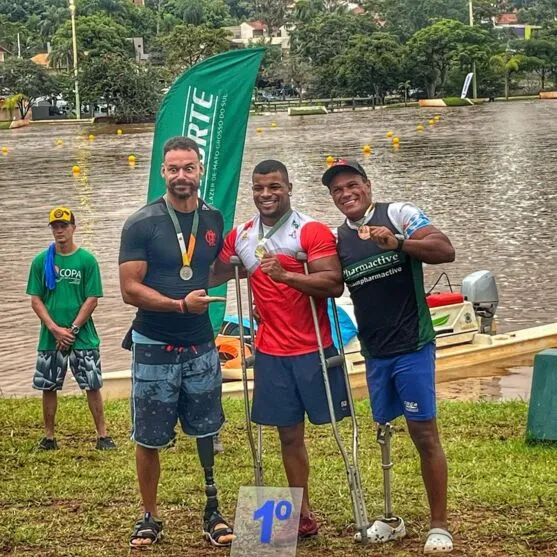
166,253
382,247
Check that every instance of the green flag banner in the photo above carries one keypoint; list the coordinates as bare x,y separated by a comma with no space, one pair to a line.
210,103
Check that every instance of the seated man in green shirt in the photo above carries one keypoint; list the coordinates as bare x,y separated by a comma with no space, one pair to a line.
64,285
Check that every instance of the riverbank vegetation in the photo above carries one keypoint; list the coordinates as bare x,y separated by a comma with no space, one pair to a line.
82,502
315,48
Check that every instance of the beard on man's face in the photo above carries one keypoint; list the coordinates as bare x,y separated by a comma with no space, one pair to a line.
183,189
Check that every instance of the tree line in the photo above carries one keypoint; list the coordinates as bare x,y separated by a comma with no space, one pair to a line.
387,46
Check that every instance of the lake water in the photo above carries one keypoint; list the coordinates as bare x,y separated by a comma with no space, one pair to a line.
485,175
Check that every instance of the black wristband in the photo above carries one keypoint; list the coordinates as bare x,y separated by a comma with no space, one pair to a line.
400,244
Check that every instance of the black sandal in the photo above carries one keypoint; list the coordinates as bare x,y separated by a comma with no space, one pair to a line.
213,536
148,528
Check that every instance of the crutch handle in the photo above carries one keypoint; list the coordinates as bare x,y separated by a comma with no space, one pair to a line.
250,361
302,256
235,260
335,361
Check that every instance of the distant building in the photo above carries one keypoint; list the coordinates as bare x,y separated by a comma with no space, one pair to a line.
509,22
139,50
41,59
355,8
251,32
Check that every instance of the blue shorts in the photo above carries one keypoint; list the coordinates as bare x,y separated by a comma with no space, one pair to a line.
288,387
403,384
171,383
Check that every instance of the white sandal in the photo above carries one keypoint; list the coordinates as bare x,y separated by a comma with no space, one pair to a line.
438,541
381,532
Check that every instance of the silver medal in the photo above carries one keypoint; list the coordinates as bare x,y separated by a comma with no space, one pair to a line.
186,273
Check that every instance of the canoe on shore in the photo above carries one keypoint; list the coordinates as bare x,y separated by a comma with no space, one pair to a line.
451,361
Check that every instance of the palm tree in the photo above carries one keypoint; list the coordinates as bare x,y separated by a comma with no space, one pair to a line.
507,63
405,85
306,10
19,101
51,19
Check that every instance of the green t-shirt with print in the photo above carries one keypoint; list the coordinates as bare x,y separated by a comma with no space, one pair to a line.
78,279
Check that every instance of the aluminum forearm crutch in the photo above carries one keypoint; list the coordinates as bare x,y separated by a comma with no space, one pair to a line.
350,463
256,448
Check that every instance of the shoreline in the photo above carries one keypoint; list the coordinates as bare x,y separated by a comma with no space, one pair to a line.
272,107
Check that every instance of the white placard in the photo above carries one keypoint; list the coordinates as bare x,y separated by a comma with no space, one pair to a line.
266,522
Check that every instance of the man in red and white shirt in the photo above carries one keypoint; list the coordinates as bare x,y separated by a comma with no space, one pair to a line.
287,373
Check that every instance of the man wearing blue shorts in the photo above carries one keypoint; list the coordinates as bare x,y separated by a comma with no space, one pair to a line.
288,381
382,247
166,252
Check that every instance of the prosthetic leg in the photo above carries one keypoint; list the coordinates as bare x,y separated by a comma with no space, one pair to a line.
255,447
350,461
388,527
211,515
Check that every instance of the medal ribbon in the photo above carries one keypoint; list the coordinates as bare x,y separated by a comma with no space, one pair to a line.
366,215
187,254
275,227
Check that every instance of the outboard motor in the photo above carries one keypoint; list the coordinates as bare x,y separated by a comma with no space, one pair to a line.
480,289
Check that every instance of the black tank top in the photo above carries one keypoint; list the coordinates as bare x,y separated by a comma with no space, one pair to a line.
387,289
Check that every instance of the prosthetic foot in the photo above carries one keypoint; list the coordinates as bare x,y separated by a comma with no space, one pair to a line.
216,530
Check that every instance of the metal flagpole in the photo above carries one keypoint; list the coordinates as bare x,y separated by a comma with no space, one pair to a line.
474,80
76,81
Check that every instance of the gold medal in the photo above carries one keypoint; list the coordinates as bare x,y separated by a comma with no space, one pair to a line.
363,232
260,249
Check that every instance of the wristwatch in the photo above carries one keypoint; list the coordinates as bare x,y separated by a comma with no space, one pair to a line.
74,329
400,244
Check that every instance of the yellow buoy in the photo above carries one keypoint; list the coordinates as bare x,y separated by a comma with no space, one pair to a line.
396,141
4,149
431,122
131,158
259,130
91,136
273,124
366,149
437,118
76,169
330,159
59,142
119,132
419,128
390,134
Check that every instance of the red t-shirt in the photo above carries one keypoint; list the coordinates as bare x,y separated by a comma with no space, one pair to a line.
286,325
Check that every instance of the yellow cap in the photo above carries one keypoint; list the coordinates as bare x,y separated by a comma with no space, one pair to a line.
61,214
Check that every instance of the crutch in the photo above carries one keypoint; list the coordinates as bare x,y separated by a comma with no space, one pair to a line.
350,461
256,447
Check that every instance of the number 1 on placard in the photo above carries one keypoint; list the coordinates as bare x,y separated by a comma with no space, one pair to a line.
267,512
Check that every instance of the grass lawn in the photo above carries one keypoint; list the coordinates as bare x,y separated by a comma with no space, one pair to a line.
5,124
80,502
